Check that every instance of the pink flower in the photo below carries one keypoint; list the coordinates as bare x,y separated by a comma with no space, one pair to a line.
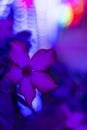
30,73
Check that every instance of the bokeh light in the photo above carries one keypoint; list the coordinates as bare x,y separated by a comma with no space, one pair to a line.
69,12
28,3
78,10
65,15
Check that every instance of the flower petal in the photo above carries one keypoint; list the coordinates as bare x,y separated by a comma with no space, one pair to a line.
43,59
26,89
43,82
14,74
19,53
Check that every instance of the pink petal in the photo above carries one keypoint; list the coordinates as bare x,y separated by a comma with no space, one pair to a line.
43,82
19,53
26,89
14,74
43,59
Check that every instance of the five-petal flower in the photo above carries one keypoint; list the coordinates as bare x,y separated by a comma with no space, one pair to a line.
30,73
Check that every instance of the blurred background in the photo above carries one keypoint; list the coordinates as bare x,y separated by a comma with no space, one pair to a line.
61,25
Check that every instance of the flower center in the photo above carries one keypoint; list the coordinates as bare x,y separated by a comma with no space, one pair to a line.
26,71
